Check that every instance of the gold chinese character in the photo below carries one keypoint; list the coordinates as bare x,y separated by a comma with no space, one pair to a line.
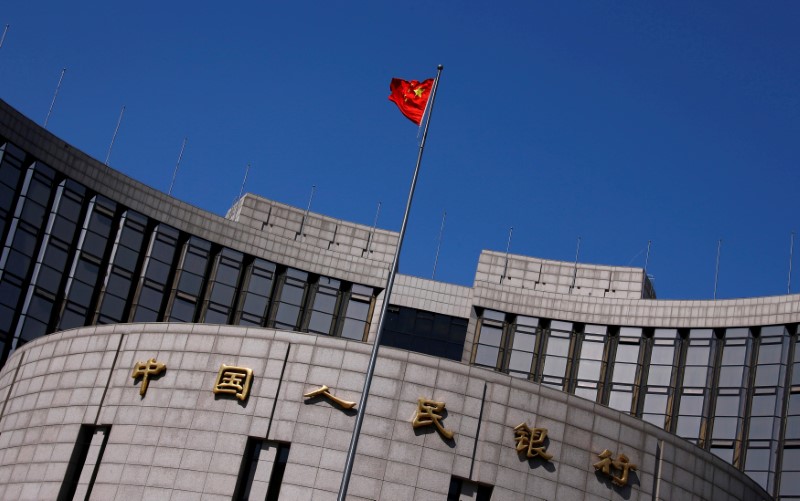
429,413
233,380
145,370
531,441
621,463
324,391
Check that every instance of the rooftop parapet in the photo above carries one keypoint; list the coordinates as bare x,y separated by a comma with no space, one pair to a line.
563,277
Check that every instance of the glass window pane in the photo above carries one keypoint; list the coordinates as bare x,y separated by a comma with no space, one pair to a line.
688,426
357,309
592,350
691,405
524,341
292,294
182,310
487,356
627,353
287,316
697,355
725,427
624,373
589,370
695,377
733,355
727,405
520,361
655,404
731,377
620,400
490,335
555,366
662,355
769,354
353,329
659,375
320,322
761,428
767,375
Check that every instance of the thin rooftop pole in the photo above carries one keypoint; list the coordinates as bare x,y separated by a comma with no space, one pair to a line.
241,190
716,272
2,38
175,172
114,137
791,255
52,104
438,246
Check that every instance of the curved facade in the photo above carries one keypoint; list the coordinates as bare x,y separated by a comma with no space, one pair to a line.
181,441
84,245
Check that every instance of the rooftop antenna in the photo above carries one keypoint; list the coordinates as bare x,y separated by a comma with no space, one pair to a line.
241,190
178,164
439,245
716,273
308,209
374,225
791,255
508,249
3,37
50,111
646,262
114,137
575,269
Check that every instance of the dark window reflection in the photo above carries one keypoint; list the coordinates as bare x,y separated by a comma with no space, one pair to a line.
424,332
290,302
156,274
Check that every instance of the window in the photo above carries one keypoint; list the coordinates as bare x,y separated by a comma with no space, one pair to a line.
327,297
227,269
625,369
290,303
84,462
262,469
123,266
556,355
590,361
490,338
790,474
466,489
424,332
51,263
22,237
256,293
659,387
85,271
696,384
523,350
761,455
356,316
156,274
731,393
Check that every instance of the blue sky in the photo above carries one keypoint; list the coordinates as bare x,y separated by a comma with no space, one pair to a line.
619,122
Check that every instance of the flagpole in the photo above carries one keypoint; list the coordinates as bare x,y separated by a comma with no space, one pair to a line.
362,403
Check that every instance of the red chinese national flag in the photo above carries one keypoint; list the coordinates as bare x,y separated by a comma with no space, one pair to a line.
411,97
